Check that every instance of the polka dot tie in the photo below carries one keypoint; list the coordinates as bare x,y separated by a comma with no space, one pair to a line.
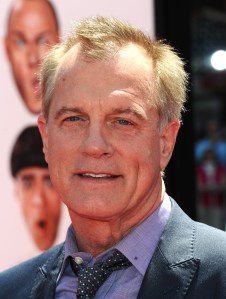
91,278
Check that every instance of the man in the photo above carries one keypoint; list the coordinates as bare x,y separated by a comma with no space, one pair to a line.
40,204
32,28
111,113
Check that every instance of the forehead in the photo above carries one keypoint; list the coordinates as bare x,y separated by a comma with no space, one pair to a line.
33,172
31,15
130,66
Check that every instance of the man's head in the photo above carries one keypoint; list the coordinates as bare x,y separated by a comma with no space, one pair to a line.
32,28
111,113
39,202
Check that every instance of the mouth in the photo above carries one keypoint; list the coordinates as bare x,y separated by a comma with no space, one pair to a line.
98,175
41,224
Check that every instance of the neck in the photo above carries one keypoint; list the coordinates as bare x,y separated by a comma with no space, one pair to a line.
97,235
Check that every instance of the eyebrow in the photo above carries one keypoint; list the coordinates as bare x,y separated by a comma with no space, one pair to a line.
66,110
16,33
25,177
131,110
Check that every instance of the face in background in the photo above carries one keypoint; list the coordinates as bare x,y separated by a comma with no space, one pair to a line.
32,30
102,140
40,204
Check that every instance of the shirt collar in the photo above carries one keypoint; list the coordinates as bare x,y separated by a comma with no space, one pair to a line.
146,237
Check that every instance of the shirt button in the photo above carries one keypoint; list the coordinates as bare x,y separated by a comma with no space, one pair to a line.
78,260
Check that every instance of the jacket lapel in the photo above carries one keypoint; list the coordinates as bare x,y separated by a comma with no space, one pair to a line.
173,265
45,283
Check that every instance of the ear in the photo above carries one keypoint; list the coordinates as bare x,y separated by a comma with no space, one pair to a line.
42,125
168,137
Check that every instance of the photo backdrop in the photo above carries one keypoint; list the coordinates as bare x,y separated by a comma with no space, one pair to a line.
16,244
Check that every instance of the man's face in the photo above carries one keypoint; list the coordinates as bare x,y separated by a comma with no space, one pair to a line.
40,205
32,30
102,139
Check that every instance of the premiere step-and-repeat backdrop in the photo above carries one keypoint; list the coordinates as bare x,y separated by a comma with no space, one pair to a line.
32,218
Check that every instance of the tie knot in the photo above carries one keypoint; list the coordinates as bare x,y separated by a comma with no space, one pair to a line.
91,278
116,261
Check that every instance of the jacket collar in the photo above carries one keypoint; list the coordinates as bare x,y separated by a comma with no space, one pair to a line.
173,265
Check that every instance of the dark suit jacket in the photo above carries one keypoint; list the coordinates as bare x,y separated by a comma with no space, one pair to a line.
189,262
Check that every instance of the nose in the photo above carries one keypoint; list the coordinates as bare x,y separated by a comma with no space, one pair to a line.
33,56
38,199
97,142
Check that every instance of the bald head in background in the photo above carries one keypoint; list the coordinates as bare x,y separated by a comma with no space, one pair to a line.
32,29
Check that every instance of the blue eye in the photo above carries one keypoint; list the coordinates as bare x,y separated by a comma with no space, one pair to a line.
123,122
73,118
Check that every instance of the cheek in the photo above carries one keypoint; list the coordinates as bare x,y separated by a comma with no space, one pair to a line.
150,166
26,208
144,160
60,148
20,72
23,196
52,147
17,60
54,204
150,150
143,153
149,162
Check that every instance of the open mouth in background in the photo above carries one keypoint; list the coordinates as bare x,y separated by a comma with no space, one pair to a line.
41,226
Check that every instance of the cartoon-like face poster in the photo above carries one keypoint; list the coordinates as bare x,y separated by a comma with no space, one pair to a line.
33,218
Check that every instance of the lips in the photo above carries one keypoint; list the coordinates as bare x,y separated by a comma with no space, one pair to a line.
97,175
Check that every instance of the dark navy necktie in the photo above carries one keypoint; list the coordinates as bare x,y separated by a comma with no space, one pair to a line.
91,278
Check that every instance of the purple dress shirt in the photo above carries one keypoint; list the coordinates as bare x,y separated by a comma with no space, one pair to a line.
138,246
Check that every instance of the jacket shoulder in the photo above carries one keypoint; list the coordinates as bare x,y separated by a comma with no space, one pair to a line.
210,242
17,281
